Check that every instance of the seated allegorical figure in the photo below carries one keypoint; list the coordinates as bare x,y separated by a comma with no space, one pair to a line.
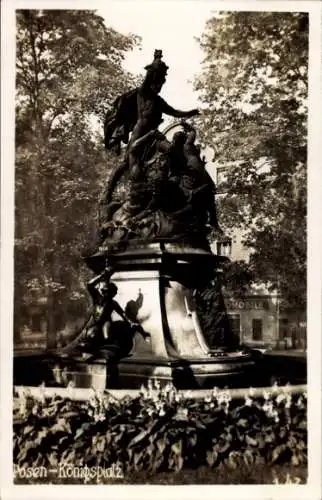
102,292
114,336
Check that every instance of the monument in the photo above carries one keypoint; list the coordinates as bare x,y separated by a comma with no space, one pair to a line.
152,248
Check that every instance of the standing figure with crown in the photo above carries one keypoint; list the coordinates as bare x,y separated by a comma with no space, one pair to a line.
150,106
144,162
140,110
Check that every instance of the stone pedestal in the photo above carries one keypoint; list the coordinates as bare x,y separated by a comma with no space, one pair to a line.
169,278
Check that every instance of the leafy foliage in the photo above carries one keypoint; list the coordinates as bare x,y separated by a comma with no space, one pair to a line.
161,431
254,90
69,71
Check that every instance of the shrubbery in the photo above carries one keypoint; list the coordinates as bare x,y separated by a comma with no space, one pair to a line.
161,430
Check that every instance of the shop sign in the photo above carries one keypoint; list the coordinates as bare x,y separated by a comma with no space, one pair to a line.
247,304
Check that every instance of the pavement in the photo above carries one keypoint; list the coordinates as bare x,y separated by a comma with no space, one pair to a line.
296,353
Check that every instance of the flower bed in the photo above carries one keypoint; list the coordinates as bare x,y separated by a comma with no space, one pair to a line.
161,431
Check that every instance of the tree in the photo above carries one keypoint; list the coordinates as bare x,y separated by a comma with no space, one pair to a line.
68,73
254,89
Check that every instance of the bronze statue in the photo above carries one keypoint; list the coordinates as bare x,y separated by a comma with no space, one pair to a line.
141,109
138,111
165,191
114,338
157,215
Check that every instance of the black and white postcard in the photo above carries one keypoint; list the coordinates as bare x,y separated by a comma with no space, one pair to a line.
161,249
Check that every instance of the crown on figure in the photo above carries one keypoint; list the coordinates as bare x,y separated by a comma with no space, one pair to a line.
158,66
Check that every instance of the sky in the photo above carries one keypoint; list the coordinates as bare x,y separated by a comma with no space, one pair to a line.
167,26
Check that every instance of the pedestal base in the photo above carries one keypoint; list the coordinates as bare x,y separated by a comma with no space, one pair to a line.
233,370
181,337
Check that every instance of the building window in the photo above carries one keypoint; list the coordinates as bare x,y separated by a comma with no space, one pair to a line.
224,248
36,323
257,329
234,321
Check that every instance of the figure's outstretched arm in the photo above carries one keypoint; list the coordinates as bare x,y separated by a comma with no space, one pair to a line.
168,110
96,279
91,285
105,275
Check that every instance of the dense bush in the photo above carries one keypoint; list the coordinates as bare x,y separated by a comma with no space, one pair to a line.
161,431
